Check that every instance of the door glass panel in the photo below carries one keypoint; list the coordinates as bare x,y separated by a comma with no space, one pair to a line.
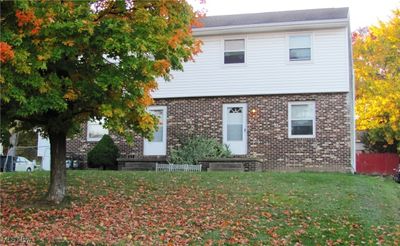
158,135
235,124
235,132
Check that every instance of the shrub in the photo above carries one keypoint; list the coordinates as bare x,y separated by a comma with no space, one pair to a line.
374,140
197,148
104,154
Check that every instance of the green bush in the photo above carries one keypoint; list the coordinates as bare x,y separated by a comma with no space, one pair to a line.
104,154
197,148
374,140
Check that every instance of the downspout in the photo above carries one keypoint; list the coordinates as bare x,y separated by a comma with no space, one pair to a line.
351,101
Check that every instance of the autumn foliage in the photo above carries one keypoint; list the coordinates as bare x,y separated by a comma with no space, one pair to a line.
65,62
376,64
148,39
28,17
6,52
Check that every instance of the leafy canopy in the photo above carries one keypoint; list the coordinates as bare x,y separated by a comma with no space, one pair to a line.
376,64
64,62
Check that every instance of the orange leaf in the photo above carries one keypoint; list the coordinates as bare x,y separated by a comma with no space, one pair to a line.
6,52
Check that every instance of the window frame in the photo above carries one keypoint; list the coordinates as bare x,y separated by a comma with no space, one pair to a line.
288,36
95,122
244,50
309,103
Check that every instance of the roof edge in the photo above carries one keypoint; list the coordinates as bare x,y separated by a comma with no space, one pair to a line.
270,27
283,11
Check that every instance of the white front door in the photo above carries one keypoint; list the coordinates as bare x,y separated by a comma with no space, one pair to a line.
158,146
235,127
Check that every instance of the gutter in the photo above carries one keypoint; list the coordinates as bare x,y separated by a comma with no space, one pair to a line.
270,27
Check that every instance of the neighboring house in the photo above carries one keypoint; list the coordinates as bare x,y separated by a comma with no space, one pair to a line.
275,86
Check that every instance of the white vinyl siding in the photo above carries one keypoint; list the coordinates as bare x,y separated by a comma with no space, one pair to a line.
301,119
266,69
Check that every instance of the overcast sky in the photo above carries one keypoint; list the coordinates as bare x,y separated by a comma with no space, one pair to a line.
362,12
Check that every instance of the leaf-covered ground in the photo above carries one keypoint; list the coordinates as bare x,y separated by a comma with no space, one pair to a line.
106,207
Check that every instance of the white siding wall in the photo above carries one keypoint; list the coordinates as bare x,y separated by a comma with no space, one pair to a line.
267,69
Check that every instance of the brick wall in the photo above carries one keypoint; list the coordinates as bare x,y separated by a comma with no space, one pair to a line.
267,130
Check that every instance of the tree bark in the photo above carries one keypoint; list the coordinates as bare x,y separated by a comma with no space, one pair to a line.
58,171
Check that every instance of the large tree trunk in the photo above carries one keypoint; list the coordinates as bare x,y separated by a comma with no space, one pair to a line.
58,171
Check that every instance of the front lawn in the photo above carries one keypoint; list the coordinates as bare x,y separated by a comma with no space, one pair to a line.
109,207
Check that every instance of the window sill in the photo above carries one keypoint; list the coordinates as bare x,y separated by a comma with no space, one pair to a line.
233,65
300,62
301,136
93,140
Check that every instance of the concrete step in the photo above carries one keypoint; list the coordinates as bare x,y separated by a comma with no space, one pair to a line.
136,169
140,164
132,165
226,167
226,170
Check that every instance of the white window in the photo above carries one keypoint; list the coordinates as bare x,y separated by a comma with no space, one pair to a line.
234,51
301,119
300,47
95,130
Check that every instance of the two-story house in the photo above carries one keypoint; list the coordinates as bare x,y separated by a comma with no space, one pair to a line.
276,86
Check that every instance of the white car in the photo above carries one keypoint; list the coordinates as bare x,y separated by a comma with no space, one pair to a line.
23,165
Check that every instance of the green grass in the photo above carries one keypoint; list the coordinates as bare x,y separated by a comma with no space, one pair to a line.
203,208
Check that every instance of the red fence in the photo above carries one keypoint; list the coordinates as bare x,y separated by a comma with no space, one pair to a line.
377,163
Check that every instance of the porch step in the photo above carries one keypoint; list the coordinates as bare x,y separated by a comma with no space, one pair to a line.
143,166
223,166
139,164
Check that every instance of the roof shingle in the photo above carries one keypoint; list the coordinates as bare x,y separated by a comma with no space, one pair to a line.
275,17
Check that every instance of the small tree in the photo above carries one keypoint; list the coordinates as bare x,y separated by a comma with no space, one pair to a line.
197,148
104,154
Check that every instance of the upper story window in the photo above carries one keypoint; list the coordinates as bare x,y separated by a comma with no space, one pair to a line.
234,51
95,130
301,119
300,47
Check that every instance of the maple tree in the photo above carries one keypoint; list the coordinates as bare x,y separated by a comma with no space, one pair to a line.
65,62
377,74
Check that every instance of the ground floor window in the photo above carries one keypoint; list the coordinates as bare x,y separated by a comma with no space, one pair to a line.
96,130
301,119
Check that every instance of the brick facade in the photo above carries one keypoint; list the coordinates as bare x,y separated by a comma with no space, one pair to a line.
267,130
